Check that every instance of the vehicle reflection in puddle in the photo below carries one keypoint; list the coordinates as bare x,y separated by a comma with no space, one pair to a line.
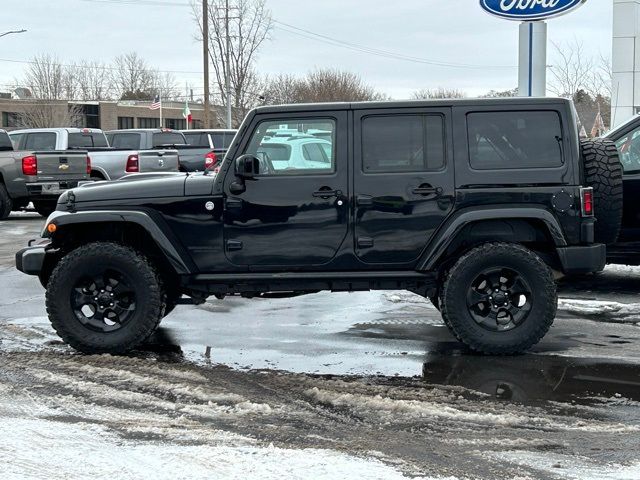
535,378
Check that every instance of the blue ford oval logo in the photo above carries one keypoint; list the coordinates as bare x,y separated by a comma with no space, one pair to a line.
527,10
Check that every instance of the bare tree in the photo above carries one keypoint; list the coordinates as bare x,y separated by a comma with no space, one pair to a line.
93,81
571,69
249,26
46,78
49,114
321,85
132,78
600,82
440,92
501,93
165,85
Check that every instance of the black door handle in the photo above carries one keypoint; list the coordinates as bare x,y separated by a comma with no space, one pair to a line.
427,190
326,193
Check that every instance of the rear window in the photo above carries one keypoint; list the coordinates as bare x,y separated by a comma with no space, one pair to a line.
84,140
5,142
167,138
222,139
516,139
197,139
402,143
127,141
276,152
40,141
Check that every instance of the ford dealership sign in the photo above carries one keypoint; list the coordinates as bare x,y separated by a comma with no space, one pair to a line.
528,10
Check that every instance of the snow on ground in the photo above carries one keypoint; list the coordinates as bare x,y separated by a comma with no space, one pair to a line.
604,310
572,467
55,450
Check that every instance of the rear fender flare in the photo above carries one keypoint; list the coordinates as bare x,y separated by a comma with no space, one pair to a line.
163,237
447,233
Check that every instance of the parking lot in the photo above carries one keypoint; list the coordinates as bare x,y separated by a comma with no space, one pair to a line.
322,386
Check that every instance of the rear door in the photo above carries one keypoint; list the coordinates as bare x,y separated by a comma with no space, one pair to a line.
403,182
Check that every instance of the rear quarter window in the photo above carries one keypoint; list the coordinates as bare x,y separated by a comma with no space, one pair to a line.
514,140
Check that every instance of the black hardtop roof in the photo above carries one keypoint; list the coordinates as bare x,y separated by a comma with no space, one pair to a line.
458,102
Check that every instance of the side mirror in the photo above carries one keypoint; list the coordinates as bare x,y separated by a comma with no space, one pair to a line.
247,167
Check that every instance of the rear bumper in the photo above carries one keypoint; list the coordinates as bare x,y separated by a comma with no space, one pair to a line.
31,259
51,190
583,259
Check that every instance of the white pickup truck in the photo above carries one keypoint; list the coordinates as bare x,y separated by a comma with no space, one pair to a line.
107,162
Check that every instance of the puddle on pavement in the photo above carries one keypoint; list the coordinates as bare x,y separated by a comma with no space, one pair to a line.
534,378
526,379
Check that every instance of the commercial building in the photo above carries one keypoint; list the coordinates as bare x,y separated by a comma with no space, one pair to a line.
107,115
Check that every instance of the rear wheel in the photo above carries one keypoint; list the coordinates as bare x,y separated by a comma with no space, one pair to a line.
45,207
104,298
6,205
499,299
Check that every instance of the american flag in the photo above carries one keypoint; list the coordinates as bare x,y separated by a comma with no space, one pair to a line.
156,104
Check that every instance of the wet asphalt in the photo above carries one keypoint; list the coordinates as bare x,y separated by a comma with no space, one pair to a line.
345,365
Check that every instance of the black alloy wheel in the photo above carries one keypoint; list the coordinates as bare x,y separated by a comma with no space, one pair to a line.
103,301
499,299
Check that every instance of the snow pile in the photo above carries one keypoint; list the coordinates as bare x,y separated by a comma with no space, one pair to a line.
598,310
389,409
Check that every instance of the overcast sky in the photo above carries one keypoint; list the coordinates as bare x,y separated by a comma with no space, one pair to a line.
444,31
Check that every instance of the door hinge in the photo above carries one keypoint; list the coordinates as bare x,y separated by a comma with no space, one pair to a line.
233,245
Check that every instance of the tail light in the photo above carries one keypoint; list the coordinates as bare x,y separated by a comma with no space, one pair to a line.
88,165
586,200
210,159
132,164
30,165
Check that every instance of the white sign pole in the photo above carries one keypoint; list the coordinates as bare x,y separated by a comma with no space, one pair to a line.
532,69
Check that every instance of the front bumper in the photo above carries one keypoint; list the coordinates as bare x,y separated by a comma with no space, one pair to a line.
31,259
583,259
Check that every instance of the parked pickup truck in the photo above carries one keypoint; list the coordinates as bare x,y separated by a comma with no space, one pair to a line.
107,162
205,149
476,204
37,176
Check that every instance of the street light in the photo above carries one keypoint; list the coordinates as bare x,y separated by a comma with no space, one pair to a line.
12,31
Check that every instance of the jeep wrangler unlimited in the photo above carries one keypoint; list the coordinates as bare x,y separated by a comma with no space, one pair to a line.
471,203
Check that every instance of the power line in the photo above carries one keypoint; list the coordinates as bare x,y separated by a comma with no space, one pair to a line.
327,39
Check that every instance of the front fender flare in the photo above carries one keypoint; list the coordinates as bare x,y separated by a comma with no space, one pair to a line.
448,232
164,238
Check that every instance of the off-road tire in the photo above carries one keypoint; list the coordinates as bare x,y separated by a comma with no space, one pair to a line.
146,282
543,303
603,172
44,207
6,205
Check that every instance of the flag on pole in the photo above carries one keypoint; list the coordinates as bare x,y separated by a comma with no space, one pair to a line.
186,113
156,104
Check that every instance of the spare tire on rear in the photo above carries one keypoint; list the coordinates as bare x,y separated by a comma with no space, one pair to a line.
603,172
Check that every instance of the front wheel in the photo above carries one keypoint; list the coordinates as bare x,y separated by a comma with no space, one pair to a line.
499,299
104,298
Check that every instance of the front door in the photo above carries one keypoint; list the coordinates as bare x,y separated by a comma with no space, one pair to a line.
295,214
403,182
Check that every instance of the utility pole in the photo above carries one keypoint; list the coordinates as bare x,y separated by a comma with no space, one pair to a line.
205,55
228,64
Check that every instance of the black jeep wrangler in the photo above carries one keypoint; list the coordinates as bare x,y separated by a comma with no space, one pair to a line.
471,203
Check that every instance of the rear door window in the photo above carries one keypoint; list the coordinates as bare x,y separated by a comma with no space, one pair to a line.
85,140
40,141
128,141
514,140
402,143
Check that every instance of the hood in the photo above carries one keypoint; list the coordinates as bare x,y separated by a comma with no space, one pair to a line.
152,186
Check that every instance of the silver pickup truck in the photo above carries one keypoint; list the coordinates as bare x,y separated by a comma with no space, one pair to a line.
107,162
37,175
